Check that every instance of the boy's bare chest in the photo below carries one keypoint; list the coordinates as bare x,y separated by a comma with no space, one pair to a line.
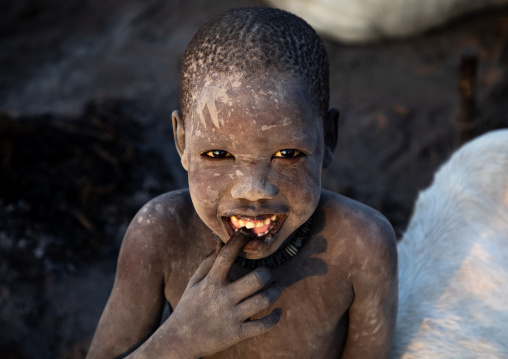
314,303
313,324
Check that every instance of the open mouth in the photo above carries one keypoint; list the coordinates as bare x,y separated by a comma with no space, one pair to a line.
263,228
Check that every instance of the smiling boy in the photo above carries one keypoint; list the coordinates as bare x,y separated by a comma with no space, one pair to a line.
303,273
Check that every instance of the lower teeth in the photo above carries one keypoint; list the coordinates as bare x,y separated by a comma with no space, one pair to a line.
262,234
258,234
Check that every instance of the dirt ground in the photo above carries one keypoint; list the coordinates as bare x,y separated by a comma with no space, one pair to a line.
86,93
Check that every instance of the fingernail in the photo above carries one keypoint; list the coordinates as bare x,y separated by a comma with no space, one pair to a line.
244,231
242,235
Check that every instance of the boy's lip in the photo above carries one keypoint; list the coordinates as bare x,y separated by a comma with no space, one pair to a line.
254,211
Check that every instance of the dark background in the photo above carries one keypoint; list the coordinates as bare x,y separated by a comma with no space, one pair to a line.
86,93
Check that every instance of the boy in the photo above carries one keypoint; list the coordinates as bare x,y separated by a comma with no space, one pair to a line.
303,273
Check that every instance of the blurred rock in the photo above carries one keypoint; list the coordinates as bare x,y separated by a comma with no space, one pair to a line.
68,188
358,21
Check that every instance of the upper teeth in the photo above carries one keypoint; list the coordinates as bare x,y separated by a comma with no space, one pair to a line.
252,224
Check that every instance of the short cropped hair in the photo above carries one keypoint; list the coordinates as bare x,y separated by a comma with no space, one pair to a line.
250,39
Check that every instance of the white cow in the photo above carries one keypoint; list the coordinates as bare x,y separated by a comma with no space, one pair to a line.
369,20
453,259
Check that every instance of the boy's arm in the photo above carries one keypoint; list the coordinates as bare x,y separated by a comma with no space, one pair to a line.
372,316
135,305
212,314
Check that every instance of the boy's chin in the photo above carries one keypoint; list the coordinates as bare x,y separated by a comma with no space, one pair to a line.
258,247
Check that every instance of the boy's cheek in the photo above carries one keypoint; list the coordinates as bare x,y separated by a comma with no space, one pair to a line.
207,187
303,180
307,188
205,199
209,178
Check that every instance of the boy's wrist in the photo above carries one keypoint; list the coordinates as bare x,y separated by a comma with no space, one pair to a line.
165,343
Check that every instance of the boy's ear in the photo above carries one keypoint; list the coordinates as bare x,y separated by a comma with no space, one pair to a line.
330,131
179,134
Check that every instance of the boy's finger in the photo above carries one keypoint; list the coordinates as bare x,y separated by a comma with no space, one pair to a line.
259,302
250,283
228,254
252,328
203,268
202,271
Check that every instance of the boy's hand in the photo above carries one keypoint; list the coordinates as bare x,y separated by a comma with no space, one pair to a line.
214,312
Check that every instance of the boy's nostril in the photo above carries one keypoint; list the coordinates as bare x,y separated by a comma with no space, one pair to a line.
254,191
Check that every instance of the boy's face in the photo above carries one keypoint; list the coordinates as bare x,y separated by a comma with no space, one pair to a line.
253,149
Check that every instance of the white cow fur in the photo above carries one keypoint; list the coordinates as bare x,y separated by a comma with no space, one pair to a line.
453,259
369,20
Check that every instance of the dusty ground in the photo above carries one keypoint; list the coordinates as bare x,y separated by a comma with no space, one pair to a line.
87,89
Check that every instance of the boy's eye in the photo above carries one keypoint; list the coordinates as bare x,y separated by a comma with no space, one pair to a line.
287,153
218,154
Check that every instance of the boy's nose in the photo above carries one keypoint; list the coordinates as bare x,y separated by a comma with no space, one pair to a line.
253,188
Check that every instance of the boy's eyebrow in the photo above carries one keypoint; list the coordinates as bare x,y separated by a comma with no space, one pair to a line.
220,140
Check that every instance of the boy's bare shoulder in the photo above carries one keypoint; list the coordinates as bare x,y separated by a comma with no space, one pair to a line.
162,225
168,213
357,228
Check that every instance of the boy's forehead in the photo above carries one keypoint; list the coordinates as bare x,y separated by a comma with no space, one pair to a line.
216,96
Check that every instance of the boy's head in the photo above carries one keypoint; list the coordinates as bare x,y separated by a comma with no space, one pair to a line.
255,130
256,42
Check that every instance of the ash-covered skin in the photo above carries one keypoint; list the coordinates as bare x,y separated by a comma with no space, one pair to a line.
253,151
253,140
